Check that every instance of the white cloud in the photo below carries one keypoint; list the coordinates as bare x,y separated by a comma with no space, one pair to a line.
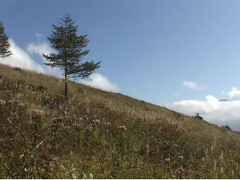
20,58
101,82
42,47
195,106
213,110
191,85
39,48
234,93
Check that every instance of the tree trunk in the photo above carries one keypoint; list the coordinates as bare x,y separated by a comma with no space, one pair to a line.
65,92
65,81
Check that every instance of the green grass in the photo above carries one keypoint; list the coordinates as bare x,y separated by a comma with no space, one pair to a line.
98,134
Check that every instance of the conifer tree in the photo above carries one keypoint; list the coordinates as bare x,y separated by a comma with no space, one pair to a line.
4,43
69,51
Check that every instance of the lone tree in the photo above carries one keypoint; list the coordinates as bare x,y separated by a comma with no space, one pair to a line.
70,49
4,43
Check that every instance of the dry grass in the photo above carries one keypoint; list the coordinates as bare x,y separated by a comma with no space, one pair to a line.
107,135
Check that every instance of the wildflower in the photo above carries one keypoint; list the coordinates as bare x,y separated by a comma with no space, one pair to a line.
38,112
122,128
108,124
168,159
96,121
90,128
180,157
2,102
221,156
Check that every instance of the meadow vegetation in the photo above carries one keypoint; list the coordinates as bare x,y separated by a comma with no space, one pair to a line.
97,134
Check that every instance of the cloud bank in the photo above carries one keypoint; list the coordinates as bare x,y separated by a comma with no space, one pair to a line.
101,82
39,48
96,80
20,58
214,110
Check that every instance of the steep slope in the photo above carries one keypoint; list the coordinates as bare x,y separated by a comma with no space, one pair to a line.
102,134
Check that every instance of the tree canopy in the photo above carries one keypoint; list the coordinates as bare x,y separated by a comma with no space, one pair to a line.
69,51
4,43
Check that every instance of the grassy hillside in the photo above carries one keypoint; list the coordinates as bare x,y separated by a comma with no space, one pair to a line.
98,134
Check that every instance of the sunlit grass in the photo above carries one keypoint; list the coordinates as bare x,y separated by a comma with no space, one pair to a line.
98,134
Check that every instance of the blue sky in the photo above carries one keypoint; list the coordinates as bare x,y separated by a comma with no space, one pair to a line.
148,48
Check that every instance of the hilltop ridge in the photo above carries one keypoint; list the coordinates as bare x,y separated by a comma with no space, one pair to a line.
99,134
